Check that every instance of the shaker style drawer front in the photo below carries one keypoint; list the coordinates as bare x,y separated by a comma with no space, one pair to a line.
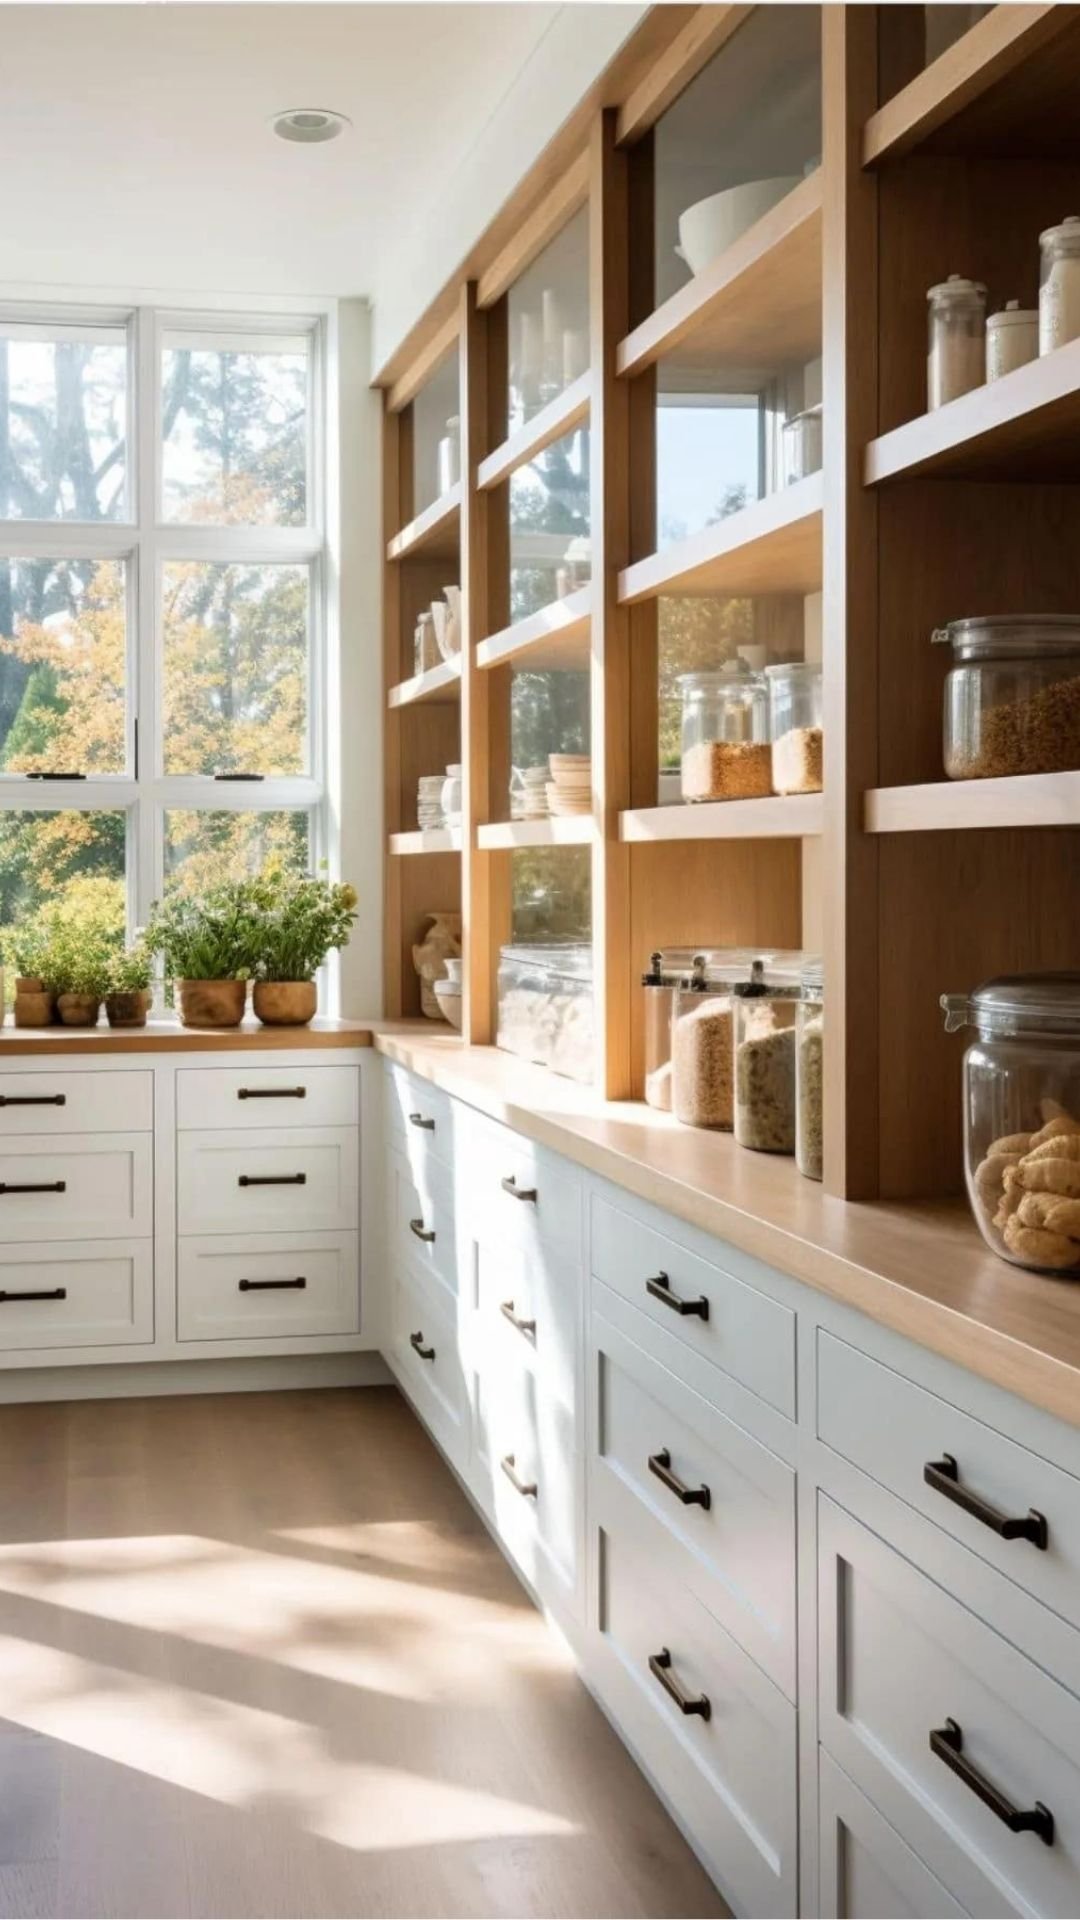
747,1335
263,1097
867,1872
419,1116
966,1747
530,1468
516,1193
1006,1504
102,1297
230,1182
59,1102
428,1363
527,1313
723,1499
709,1726
268,1286
423,1227
93,1187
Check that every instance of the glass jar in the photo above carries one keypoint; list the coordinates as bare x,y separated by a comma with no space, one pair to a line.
1059,284
956,346
451,797
1012,339
1012,696
701,1036
725,734
1022,1116
765,1007
800,446
666,969
795,726
809,1065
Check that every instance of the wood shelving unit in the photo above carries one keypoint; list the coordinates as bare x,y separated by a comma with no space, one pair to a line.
1026,800
555,637
568,410
791,816
438,683
1025,426
426,840
571,830
433,533
773,546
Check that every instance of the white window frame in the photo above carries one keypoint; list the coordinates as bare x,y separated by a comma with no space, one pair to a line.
146,542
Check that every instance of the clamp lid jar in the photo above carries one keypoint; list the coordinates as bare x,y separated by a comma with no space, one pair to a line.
1012,695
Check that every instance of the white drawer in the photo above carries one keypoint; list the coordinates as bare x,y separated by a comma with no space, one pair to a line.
427,1361
419,1116
529,1469
103,1298
261,1097
907,1676
528,1312
668,1460
232,1182
896,1432
513,1192
88,1186
742,1331
59,1102
867,1871
268,1286
731,1776
423,1230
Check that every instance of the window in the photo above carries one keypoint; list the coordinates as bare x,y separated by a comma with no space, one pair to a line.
162,614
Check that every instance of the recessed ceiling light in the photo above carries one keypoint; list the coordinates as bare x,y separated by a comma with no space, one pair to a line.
310,125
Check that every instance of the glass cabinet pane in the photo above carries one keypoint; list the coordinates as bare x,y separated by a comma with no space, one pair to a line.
436,435
550,548
548,322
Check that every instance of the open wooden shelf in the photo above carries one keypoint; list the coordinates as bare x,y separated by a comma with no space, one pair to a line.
955,95
1026,800
773,546
427,840
758,305
1025,426
575,830
568,410
435,533
781,817
555,636
441,683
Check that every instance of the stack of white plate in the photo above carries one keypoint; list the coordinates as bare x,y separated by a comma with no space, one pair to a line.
569,789
429,812
528,794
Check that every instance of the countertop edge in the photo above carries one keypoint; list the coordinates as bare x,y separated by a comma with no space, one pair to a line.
62,1043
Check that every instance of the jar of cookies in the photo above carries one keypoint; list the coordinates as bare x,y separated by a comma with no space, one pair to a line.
1022,1116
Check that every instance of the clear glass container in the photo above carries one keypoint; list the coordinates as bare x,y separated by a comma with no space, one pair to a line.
1059,284
700,1036
795,726
800,446
1012,696
809,1065
1022,1116
725,734
545,1007
765,1009
666,969
451,796
956,345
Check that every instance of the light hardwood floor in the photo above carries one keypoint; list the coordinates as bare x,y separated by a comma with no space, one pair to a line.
259,1657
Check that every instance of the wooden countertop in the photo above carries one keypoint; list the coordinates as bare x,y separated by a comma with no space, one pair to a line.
920,1269
168,1036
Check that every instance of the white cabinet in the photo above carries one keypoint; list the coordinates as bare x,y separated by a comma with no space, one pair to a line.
56,1101
76,1187
99,1295
229,1182
262,1097
267,1286
867,1871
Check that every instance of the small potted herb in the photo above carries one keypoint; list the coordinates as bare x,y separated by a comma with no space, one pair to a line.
77,971
127,1001
208,946
302,918
27,949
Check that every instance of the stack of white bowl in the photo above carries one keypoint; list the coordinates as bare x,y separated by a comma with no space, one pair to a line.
569,789
429,812
528,794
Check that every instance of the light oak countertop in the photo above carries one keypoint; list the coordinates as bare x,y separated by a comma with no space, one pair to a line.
168,1036
920,1268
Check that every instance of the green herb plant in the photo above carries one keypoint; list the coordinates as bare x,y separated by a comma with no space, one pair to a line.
301,918
211,937
131,970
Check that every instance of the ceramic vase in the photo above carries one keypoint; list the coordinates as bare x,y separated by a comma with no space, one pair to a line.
442,941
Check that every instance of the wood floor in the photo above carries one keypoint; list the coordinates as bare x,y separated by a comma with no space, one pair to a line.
258,1656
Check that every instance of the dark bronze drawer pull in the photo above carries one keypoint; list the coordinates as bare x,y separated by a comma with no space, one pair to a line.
944,1476
660,1464
416,1342
947,1743
527,1327
33,1099
418,1120
511,1187
35,1186
660,1668
45,1293
528,1489
271,1093
271,1286
661,1289
272,1180
426,1234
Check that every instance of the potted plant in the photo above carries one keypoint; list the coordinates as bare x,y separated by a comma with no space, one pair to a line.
302,918
127,1001
26,949
208,947
77,972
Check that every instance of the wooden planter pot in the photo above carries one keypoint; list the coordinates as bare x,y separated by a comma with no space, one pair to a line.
78,1009
285,1003
211,1003
127,1009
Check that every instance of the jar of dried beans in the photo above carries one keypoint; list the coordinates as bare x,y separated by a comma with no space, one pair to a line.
702,1042
1012,696
725,734
764,1104
795,726
809,1062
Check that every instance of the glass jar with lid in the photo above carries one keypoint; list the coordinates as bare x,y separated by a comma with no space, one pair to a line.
725,734
765,1009
1059,284
1012,696
809,1065
701,1034
795,726
666,968
956,344
1021,1094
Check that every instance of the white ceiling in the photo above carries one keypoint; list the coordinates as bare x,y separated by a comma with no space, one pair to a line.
135,150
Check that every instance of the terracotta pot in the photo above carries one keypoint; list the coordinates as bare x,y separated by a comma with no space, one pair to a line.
29,983
285,1003
211,1003
78,1009
127,1009
34,1009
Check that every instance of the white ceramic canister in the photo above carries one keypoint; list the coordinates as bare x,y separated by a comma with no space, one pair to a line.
1012,339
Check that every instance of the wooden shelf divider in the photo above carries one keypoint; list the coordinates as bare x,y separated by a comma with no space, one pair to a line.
433,533
426,840
1024,800
1025,426
773,546
994,47
438,683
555,636
780,817
568,410
571,830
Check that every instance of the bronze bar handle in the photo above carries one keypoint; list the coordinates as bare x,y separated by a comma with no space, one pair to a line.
660,1668
272,1180
661,1289
510,1186
947,1743
35,1186
46,1293
418,1120
527,1327
426,1234
416,1342
271,1093
944,1476
528,1489
33,1099
660,1464
270,1286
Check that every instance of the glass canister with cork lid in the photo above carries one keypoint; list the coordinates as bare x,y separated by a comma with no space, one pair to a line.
725,734
765,1011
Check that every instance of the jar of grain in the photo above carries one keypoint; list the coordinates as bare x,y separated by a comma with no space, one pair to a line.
795,726
702,1044
725,734
808,1071
1012,695
1012,339
764,1105
666,969
956,350
1059,284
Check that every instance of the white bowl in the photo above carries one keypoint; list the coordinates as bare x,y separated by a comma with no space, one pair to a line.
449,999
710,226
453,972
